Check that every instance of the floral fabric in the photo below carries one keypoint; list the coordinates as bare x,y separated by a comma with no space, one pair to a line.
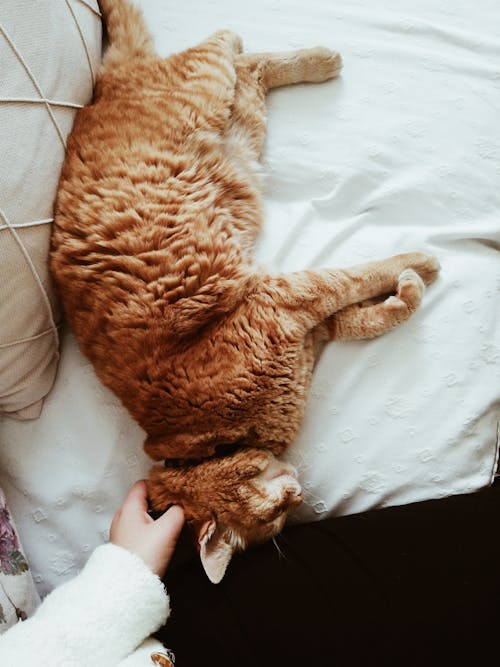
18,597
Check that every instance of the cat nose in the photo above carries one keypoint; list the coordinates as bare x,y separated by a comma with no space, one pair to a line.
297,496
293,492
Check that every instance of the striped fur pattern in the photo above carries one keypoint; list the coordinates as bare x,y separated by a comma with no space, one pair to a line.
158,209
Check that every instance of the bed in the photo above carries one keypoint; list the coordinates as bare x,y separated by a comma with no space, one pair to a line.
402,152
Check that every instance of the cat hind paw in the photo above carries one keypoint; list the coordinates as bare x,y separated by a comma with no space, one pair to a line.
409,294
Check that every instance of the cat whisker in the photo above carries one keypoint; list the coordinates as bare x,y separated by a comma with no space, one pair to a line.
303,468
280,552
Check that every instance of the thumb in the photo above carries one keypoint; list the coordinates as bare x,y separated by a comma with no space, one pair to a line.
169,525
136,502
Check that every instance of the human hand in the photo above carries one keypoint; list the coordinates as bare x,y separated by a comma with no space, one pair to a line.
153,541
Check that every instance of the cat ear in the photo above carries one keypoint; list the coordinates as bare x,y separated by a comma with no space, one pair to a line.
215,551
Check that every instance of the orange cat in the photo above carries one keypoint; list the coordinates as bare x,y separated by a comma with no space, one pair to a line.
157,212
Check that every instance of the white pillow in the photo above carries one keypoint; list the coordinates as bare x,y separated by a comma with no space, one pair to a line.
48,52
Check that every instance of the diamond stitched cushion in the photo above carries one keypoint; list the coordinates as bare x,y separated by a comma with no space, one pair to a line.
48,52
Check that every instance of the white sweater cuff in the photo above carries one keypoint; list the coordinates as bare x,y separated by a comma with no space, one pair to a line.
97,619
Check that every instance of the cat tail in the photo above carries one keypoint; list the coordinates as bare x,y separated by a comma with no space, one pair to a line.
128,35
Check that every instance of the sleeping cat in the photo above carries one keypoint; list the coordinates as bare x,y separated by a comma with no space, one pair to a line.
158,208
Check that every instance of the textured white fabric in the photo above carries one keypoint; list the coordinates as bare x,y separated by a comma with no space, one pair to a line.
401,153
48,51
96,620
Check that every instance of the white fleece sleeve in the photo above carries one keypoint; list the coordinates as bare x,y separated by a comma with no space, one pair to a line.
95,620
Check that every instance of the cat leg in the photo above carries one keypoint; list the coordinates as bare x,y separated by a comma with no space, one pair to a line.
288,67
259,72
311,297
245,130
358,321
244,137
247,123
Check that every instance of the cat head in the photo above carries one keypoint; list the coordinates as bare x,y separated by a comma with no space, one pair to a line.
230,502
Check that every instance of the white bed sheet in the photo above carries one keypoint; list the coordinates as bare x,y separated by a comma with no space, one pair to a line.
400,153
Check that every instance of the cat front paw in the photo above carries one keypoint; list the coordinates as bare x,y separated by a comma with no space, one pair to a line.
319,64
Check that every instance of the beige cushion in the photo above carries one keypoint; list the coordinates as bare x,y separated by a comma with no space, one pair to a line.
49,51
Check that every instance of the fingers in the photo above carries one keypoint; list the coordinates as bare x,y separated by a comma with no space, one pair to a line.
135,507
153,541
137,498
166,531
170,523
